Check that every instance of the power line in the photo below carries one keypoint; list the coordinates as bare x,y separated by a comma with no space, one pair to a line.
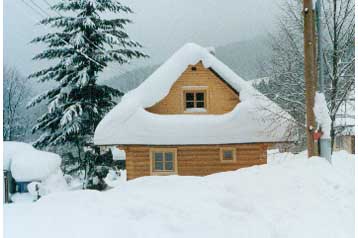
32,8
41,10
67,43
90,41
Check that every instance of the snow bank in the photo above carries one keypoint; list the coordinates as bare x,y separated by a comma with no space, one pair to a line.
296,197
55,182
23,198
117,153
115,180
322,114
130,123
28,164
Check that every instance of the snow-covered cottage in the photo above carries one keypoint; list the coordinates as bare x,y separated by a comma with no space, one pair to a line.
345,125
193,116
23,164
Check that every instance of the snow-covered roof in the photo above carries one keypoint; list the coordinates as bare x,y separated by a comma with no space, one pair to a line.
254,119
28,164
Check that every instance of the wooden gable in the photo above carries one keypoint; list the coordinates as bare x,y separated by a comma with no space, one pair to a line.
220,97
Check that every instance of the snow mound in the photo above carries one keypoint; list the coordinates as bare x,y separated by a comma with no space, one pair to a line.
27,163
130,123
118,154
297,197
55,182
322,114
23,198
115,180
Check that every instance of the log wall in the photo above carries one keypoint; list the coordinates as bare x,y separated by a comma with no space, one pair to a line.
221,98
196,160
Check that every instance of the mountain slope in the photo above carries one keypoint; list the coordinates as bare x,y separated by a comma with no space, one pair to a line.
242,57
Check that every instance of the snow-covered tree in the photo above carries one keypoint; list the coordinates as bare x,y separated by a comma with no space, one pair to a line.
286,68
84,40
15,94
338,18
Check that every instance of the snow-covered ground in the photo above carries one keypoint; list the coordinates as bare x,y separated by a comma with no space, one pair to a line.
290,197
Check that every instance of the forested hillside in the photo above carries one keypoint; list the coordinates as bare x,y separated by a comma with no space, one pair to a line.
245,58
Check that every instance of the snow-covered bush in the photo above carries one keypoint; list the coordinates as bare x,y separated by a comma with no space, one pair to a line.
34,189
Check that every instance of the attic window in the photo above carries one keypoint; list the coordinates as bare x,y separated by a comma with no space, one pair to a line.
195,100
193,68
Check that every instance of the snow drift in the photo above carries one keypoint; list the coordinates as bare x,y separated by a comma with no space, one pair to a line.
289,197
254,119
28,164
322,114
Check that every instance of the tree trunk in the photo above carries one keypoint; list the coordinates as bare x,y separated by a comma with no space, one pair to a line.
334,83
332,134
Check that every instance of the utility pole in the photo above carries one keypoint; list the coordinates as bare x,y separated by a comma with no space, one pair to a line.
310,72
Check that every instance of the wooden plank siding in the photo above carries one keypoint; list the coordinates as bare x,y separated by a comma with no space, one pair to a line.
195,160
220,98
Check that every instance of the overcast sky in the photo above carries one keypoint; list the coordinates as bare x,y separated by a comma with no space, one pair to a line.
161,26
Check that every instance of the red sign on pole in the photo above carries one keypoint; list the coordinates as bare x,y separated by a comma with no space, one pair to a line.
317,135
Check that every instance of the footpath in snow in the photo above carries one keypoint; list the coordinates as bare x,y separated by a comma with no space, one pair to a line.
289,197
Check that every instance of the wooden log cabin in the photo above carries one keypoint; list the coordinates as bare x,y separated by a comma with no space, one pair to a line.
193,116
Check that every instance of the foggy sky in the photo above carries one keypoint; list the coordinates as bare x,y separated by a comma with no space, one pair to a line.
162,26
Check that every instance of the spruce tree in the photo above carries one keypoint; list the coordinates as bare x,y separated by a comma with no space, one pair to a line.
83,42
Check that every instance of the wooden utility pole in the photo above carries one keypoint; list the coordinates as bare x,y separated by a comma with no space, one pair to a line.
310,72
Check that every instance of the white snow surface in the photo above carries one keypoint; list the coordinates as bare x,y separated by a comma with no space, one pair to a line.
322,114
118,154
292,196
253,120
190,110
23,198
27,163
115,180
55,182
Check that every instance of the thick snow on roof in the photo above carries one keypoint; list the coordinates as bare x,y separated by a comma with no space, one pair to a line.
28,164
254,119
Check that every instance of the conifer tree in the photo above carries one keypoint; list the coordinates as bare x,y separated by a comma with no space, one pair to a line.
82,44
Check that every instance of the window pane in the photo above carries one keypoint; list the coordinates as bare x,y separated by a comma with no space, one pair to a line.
200,104
169,166
26,190
168,156
158,156
228,155
158,166
189,104
200,96
158,161
189,96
